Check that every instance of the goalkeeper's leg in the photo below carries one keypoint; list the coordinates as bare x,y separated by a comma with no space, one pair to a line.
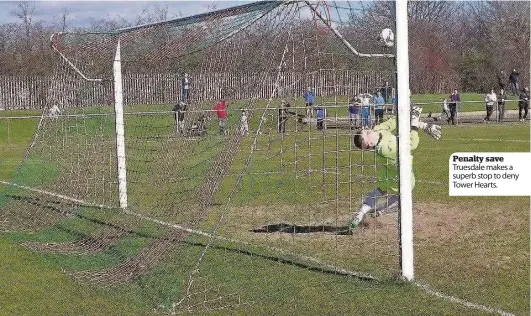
372,206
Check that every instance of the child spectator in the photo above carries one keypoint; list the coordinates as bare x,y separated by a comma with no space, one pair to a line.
244,124
320,113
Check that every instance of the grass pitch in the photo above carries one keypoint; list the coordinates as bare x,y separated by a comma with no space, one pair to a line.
474,248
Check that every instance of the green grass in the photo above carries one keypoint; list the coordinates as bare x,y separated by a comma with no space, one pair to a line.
475,248
469,102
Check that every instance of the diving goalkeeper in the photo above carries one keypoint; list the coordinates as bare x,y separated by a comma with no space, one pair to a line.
382,141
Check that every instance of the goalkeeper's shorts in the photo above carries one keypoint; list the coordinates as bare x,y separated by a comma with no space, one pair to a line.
388,179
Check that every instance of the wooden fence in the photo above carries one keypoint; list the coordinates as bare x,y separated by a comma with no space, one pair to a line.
142,89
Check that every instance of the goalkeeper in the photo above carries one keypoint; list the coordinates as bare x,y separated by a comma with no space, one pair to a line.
383,142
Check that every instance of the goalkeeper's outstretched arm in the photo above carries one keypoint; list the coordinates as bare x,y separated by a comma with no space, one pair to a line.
430,129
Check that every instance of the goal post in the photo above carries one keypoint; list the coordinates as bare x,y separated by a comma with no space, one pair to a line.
274,176
120,130
404,152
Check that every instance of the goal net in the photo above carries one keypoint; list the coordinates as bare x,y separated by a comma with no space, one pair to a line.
221,211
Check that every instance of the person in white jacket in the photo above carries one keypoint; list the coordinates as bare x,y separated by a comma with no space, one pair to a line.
490,100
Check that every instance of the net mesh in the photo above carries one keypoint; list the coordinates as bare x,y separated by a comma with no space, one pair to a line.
222,213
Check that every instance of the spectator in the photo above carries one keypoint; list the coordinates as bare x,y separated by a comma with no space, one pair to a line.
244,124
386,92
353,111
379,104
221,112
501,105
365,111
320,114
283,115
502,79
178,114
523,104
185,87
309,98
490,99
514,79
452,106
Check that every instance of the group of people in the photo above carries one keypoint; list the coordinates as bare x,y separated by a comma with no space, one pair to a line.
361,105
493,101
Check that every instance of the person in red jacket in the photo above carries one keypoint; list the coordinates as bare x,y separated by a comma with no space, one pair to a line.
221,112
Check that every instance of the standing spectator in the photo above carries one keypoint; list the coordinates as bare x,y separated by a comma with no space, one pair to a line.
452,106
490,99
283,115
320,114
386,92
523,104
221,112
379,104
502,79
353,111
514,79
365,111
185,87
244,123
309,98
501,105
178,113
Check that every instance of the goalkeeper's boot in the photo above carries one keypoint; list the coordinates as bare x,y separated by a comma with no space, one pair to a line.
353,225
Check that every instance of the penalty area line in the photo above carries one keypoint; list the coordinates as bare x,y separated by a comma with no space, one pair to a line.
322,265
459,301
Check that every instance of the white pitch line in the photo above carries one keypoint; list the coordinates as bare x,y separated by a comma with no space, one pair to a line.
60,196
491,140
330,267
456,300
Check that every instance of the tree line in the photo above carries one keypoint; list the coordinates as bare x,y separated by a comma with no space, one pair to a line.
459,44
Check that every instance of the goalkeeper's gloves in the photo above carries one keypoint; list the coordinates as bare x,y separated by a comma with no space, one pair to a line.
431,129
415,116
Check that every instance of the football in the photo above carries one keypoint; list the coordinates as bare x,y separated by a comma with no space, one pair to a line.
387,37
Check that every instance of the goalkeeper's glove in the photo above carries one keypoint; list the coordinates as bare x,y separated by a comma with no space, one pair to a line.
431,129
415,116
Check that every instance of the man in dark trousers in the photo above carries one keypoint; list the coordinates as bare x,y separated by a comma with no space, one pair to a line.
185,87
501,105
502,79
452,106
178,114
283,115
514,80
386,92
523,104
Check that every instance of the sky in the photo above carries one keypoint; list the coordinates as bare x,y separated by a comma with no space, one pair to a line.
81,12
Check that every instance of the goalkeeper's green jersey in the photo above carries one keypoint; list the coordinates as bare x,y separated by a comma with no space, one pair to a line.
387,149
